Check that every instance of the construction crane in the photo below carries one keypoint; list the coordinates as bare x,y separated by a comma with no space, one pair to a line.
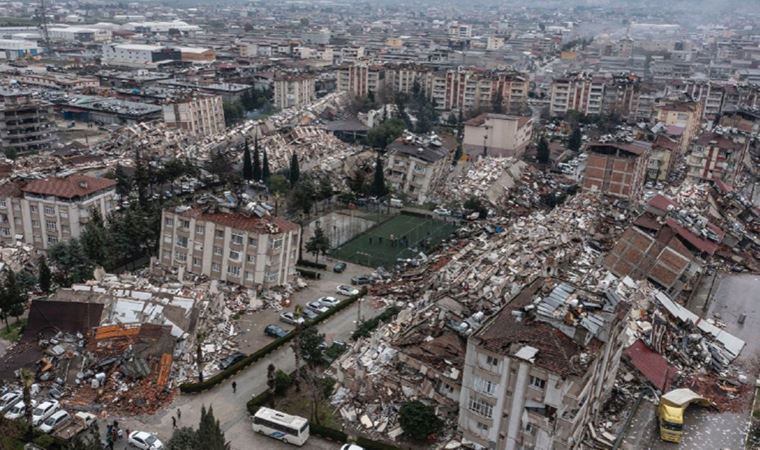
43,24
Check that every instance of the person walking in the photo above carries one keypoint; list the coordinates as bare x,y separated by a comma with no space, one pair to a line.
234,387
179,414
174,422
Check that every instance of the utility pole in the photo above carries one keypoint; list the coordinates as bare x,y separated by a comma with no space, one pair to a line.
43,24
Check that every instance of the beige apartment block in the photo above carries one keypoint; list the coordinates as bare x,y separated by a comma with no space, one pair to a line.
230,246
202,115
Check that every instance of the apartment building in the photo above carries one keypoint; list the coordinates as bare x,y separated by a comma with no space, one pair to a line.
359,79
351,54
196,55
617,169
26,125
662,157
45,212
13,49
201,115
577,92
250,250
716,156
497,135
686,115
537,373
79,34
293,90
416,164
54,80
619,97
469,89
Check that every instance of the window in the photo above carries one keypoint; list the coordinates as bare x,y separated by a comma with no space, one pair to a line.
167,239
271,277
184,223
249,276
196,261
480,407
237,239
36,223
51,226
199,229
5,232
33,209
219,233
251,242
484,386
250,258
538,383
233,270
169,221
234,255
2,204
277,243
52,240
182,241
492,361
217,250
215,267
482,428
530,428
180,256
49,210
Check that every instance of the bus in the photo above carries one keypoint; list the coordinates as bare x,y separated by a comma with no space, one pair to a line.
278,425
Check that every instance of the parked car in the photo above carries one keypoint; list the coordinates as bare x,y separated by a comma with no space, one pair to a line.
55,421
351,447
442,212
344,289
144,441
9,399
275,331
17,411
340,267
309,314
330,302
317,307
44,410
361,279
231,360
290,318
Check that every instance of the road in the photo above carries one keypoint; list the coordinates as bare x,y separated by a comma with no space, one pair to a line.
229,407
703,429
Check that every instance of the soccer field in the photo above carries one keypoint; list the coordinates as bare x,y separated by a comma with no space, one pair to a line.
395,238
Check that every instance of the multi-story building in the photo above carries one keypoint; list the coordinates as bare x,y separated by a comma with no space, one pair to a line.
662,158
250,250
359,79
197,55
51,210
716,156
201,115
537,373
293,90
416,164
617,169
351,54
13,49
79,34
138,55
468,89
67,82
25,123
619,96
683,114
497,135
577,92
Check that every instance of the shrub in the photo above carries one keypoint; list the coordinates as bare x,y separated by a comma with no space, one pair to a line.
366,327
328,433
418,420
310,274
369,444
306,263
282,382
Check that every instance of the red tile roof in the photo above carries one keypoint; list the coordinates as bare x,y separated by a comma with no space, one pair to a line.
651,364
660,202
702,245
69,187
243,222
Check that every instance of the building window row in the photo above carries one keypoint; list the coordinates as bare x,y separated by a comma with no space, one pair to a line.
481,407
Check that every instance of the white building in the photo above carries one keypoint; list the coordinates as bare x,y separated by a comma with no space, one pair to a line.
45,212
138,55
200,115
416,164
497,135
79,34
293,90
230,246
12,49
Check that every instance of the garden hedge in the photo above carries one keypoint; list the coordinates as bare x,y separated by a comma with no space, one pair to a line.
189,388
312,264
310,274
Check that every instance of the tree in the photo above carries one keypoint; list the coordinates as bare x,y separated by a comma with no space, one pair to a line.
27,379
14,297
70,263
308,348
302,196
295,172
44,275
418,420
94,238
208,436
575,140
271,383
233,112
358,183
256,160
384,133
247,164
266,174
457,154
475,204
123,181
318,243
542,151
379,189
326,189
141,179
498,102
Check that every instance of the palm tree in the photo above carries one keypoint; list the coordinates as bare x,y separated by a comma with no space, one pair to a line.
27,379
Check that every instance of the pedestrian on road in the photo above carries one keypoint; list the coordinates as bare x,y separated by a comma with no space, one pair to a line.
234,387
179,414
174,422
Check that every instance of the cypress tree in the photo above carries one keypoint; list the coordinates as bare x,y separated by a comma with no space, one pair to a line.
247,165
379,189
256,160
295,172
266,174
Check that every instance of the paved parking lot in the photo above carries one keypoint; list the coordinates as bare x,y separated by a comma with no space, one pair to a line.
252,325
